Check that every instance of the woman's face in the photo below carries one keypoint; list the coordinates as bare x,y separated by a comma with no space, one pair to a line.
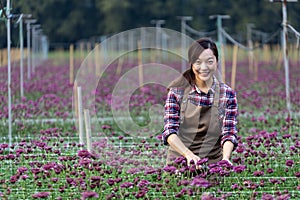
205,66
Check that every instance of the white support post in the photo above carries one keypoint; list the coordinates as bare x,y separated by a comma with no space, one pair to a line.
80,117
285,52
285,58
9,73
28,22
250,45
87,129
21,55
183,39
220,41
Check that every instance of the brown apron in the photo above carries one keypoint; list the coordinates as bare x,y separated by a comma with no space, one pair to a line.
200,129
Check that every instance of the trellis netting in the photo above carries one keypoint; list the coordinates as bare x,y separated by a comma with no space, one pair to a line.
149,61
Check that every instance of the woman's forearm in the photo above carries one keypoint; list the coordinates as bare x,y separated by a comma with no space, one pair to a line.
227,150
178,145
175,142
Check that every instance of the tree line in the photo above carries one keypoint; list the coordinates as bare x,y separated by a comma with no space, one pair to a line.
67,21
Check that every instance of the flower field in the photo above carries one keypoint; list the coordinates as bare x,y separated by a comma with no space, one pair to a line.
46,160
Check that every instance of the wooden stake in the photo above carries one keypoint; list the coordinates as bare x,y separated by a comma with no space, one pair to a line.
81,49
87,129
1,57
223,63
280,58
255,69
234,62
120,65
251,60
71,63
266,53
97,62
4,56
140,62
89,59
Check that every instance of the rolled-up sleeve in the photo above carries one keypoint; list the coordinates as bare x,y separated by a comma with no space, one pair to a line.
171,116
229,129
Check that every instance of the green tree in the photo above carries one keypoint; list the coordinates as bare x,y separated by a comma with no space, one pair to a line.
66,21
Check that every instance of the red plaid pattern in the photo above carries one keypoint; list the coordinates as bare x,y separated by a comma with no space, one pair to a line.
228,110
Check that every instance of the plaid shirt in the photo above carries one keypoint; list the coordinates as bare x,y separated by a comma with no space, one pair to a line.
228,110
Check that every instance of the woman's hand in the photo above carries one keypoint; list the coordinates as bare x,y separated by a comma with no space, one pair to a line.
227,160
190,156
178,146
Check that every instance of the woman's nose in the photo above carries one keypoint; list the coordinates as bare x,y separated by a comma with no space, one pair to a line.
202,66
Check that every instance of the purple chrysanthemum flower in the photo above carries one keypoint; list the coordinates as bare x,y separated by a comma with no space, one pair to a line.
289,163
266,196
110,181
202,161
215,170
183,182
258,173
3,146
225,163
234,186
105,126
170,169
274,181
126,185
95,178
143,183
239,168
21,170
283,197
141,194
84,154
89,194
286,136
13,179
236,160
200,182
48,166
41,195
133,170
207,196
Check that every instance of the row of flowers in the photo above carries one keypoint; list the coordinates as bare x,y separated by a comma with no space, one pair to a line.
51,164
49,94
57,168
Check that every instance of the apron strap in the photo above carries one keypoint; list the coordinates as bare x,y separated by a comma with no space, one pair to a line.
217,94
184,103
214,129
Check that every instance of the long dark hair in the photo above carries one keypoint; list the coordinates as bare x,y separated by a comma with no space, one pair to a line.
197,47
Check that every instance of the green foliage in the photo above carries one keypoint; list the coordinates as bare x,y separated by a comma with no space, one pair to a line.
66,21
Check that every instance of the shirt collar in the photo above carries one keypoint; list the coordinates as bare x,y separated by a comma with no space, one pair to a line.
211,90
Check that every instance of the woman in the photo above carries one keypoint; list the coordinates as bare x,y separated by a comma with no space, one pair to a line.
200,112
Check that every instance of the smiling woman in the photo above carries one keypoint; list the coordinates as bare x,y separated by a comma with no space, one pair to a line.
200,112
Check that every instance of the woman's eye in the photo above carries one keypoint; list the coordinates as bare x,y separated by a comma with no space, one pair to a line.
210,62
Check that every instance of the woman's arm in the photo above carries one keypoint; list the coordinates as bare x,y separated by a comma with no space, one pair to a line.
227,150
229,131
175,142
171,116
171,127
